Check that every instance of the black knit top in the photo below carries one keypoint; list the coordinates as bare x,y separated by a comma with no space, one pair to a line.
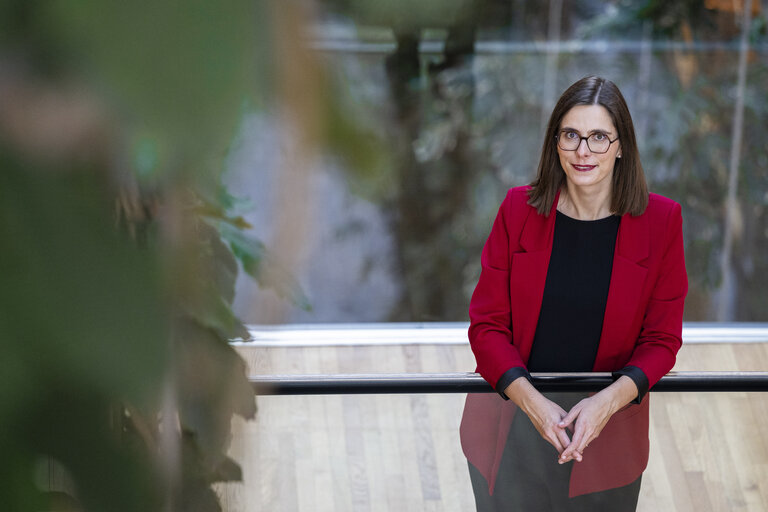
573,306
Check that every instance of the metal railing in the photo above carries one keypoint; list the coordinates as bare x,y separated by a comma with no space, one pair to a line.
350,45
416,383
455,333
450,333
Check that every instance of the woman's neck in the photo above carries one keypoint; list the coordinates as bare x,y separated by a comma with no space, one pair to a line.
584,204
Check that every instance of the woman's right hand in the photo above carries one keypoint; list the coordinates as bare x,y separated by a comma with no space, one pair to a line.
543,413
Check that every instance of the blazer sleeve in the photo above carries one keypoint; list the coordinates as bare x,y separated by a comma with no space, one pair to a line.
490,330
661,332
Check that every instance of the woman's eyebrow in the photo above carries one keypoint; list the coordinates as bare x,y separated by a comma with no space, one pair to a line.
597,130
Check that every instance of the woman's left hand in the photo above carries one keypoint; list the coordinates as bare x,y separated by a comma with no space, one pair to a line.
589,416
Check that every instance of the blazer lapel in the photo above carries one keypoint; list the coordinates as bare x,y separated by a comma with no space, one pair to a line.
624,293
528,276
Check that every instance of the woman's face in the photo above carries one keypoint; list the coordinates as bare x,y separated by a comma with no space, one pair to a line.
584,169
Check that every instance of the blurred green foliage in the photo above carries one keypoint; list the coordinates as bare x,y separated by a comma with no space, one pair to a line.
82,329
117,281
179,71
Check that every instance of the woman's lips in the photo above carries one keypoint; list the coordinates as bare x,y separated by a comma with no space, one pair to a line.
583,168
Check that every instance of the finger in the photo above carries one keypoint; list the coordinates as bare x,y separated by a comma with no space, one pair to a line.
548,434
569,453
569,456
584,442
570,417
565,441
577,440
575,445
575,451
554,441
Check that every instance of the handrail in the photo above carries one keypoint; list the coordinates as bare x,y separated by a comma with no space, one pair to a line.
416,383
356,45
450,333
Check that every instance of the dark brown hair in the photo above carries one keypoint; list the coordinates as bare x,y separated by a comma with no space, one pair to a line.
630,192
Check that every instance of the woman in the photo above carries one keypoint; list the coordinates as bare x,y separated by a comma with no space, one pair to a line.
583,271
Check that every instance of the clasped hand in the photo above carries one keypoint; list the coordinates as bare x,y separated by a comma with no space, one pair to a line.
585,420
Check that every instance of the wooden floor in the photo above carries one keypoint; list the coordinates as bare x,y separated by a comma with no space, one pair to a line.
709,451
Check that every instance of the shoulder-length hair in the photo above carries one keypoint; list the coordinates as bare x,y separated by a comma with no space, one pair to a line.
630,191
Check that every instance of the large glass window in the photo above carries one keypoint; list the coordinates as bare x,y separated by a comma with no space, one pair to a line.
377,171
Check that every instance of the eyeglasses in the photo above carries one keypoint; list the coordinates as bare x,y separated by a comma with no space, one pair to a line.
598,142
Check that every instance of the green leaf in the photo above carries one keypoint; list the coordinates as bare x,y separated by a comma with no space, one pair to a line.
263,267
218,262
212,385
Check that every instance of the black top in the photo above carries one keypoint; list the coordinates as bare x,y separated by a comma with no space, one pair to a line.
575,294
573,306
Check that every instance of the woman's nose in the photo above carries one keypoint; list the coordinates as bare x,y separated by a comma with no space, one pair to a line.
583,148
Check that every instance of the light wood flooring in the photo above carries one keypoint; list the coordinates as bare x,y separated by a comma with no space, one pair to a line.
398,453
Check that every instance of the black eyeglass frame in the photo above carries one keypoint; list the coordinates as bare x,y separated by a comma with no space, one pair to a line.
557,138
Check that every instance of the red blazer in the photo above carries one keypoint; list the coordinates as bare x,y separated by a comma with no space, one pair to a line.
642,327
